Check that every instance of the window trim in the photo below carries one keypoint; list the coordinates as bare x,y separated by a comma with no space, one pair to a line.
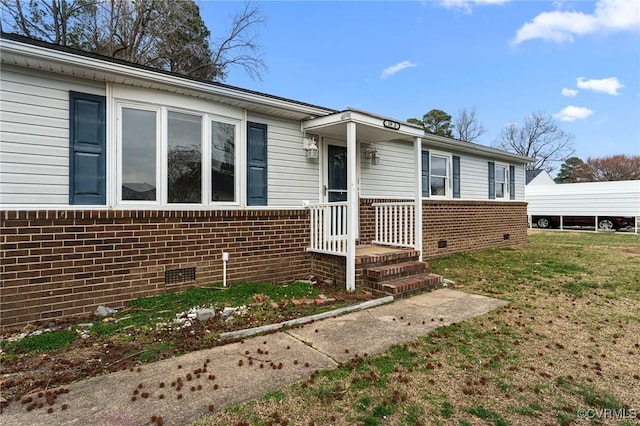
448,186
505,183
118,177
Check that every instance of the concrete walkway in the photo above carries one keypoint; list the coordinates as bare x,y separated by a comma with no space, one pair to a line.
185,388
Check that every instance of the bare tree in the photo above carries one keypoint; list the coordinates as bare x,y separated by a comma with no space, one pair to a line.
240,46
54,21
539,137
164,34
467,127
615,167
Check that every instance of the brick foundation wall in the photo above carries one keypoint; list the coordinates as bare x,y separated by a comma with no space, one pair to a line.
66,263
329,267
471,225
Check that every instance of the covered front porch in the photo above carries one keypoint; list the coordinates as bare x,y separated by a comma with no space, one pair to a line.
347,142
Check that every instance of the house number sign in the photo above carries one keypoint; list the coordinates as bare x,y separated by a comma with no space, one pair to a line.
391,124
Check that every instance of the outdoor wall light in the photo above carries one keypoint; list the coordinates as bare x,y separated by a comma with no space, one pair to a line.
310,147
371,154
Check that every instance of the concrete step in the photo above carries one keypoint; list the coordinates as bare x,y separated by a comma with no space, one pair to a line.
404,286
377,274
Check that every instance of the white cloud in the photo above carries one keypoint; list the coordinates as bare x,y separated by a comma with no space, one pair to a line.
562,26
573,113
569,92
393,69
467,5
609,85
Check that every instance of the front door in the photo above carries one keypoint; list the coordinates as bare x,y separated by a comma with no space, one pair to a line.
336,173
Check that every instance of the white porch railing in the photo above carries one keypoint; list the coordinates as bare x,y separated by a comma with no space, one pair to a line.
395,224
328,228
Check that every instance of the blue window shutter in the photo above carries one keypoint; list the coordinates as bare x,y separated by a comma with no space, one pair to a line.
87,149
425,174
492,180
256,164
512,182
456,176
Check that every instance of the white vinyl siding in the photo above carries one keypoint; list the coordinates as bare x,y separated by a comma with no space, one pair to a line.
520,182
291,177
393,177
34,131
474,178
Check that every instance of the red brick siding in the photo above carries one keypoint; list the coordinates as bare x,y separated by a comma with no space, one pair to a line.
329,267
471,225
65,263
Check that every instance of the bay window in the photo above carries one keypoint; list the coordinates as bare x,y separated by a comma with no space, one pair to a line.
170,157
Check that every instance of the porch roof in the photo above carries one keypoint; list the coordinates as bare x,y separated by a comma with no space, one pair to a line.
369,127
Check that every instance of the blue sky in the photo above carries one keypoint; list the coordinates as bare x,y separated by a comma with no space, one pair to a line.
576,60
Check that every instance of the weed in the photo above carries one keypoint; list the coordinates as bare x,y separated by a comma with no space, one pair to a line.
363,403
486,414
531,410
104,330
275,396
447,410
155,351
413,413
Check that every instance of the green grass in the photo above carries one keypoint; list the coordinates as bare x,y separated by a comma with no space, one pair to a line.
447,410
41,342
486,414
148,310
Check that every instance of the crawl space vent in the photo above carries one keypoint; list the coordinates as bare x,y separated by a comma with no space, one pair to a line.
442,244
175,276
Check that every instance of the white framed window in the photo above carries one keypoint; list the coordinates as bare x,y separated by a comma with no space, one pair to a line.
439,174
138,154
176,157
223,162
184,183
501,181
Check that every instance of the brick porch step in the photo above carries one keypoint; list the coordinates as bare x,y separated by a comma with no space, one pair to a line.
406,285
370,260
378,274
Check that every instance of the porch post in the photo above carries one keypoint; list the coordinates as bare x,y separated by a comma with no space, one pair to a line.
352,206
417,148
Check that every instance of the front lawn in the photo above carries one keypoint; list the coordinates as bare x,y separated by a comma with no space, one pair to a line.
566,350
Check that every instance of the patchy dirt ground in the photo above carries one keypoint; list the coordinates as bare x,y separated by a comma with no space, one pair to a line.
94,354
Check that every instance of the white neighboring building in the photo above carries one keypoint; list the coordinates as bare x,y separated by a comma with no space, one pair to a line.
587,199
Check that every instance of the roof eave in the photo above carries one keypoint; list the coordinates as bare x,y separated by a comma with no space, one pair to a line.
12,49
474,148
